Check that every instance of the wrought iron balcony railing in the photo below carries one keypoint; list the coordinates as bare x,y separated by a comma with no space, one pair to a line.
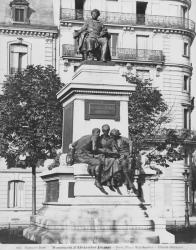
124,54
130,19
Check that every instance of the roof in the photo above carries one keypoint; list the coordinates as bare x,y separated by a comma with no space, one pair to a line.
19,2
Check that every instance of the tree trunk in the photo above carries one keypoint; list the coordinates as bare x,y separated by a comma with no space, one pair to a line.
33,190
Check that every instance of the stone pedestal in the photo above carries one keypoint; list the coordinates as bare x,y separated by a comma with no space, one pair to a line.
81,213
75,211
97,94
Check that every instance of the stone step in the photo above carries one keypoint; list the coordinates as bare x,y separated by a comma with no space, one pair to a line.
107,200
91,236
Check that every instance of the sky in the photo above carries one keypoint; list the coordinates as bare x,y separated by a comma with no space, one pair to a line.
193,59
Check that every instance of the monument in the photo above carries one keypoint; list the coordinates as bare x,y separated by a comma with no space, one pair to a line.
94,199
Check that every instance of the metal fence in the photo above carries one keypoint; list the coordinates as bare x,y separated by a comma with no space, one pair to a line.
69,50
131,19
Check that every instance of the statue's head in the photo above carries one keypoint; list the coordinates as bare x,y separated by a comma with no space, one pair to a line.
96,132
95,14
105,129
115,133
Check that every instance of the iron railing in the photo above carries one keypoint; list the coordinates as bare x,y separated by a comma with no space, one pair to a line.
124,54
130,19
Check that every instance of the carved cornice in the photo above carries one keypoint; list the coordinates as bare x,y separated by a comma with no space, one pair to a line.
175,31
73,91
29,31
190,68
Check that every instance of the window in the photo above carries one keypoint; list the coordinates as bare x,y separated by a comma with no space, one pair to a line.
79,9
142,42
18,58
186,119
142,47
186,83
19,15
184,12
186,49
113,44
19,11
140,12
16,194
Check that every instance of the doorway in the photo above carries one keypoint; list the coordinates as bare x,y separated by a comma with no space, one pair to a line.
142,46
141,12
79,9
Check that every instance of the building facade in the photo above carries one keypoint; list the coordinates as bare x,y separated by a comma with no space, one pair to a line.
27,36
152,39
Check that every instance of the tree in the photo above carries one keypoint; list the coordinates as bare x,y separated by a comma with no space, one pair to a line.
147,110
148,116
30,119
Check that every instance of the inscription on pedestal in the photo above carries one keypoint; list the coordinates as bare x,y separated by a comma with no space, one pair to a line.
52,191
99,109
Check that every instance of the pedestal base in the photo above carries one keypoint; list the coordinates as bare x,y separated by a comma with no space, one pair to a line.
89,216
68,224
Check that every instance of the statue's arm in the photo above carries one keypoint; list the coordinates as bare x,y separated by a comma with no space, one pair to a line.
78,32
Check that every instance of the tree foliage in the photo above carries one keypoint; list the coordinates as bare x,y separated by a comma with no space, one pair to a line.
148,111
148,116
30,116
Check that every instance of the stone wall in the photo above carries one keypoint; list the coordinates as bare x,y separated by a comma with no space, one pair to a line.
7,211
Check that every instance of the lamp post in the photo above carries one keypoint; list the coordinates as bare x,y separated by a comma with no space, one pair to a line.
186,178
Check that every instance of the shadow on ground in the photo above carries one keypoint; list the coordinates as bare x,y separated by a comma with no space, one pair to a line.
13,236
184,235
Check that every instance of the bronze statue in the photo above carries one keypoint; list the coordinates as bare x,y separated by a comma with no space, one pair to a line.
93,39
86,151
110,167
124,147
107,156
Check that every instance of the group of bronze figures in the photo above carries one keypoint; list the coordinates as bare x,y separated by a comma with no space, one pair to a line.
108,157
93,39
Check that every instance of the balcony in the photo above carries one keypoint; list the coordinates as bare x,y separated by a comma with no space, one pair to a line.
118,18
122,54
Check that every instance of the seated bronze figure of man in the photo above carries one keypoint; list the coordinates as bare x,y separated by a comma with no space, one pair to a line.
93,39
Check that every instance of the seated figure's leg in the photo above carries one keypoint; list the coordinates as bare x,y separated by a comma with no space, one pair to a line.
95,169
83,50
125,165
103,41
90,45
